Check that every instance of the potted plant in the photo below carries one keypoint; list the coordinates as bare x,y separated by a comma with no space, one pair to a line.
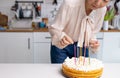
110,13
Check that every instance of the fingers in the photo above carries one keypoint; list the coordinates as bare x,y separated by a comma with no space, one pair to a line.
93,41
66,41
94,44
69,40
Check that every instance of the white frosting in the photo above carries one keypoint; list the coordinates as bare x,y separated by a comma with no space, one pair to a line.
89,64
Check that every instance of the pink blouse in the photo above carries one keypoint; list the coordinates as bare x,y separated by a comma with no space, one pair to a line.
73,21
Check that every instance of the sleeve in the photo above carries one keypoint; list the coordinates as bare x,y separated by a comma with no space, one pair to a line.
98,25
58,25
98,22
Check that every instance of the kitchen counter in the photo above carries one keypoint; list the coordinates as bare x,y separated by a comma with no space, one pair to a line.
26,30
43,30
111,70
110,31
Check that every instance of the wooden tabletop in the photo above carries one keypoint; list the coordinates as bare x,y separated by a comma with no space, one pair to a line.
43,30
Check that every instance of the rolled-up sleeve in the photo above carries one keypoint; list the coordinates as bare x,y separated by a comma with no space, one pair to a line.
58,25
98,22
98,26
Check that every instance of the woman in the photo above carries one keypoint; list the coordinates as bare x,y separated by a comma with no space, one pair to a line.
75,25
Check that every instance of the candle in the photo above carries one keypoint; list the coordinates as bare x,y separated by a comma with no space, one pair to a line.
84,54
80,58
75,53
89,55
80,51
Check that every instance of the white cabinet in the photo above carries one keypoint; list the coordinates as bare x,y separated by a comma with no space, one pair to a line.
16,47
111,47
98,54
42,42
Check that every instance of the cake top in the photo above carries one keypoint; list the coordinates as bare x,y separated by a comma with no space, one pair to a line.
83,64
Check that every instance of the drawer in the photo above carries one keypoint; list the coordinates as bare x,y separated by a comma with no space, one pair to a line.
42,37
100,35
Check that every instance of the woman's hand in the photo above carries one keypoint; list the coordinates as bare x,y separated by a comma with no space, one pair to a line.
66,41
94,44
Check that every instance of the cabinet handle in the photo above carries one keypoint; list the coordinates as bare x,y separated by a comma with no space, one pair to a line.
119,43
48,37
29,43
100,38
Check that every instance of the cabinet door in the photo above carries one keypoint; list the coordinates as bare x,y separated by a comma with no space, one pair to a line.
42,52
18,47
111,47
98,54
3,46
42,42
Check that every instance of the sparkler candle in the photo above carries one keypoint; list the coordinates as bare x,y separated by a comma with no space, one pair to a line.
84,54
80,51
75,53
77,50
80,58
89,55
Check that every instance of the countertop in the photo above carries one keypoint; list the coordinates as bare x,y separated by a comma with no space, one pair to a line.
26,30
111,70
43,30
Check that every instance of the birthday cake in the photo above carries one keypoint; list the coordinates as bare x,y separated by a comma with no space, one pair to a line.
82,67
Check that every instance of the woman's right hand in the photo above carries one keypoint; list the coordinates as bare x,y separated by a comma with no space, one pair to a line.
66,41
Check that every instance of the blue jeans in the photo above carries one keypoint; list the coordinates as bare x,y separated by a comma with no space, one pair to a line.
59,55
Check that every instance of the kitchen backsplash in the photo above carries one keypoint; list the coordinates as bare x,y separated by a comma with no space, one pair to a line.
47,9
5,6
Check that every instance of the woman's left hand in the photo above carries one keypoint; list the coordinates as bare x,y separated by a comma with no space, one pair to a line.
94,44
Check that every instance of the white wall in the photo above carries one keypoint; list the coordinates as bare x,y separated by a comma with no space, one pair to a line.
5,6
